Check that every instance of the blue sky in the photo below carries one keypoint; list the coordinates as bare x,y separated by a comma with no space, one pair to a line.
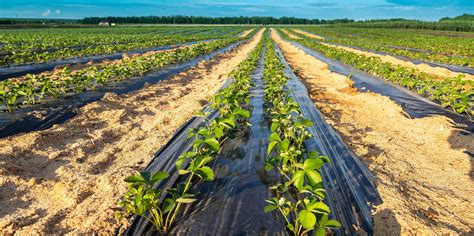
321,9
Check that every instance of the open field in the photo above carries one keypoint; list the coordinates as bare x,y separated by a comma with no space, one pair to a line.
225,130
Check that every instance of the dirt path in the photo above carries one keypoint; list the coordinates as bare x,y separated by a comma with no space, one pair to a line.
423,67
68,179
245,33
292,36
307,34
424,174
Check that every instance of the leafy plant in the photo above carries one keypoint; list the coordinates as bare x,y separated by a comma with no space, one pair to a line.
455,93
33,88
193,166
300,190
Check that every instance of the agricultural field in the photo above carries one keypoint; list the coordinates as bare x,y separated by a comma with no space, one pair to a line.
225,130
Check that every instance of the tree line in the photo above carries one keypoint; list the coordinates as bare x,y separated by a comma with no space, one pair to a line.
259,20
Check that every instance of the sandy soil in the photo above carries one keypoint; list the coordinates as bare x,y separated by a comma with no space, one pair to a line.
245,33
292,36
423,170
68,179
307,34
439,72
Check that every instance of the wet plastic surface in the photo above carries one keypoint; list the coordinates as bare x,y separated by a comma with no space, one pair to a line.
233,203
349,184
49,112
413,104
12,71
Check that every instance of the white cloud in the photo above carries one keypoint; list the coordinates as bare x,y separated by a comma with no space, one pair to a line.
58,12
46,13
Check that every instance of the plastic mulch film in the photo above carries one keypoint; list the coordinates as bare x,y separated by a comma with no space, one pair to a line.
455,68
231,204
12,71
413,104
349,184
54,111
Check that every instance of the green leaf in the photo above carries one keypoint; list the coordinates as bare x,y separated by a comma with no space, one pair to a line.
218,132
320,232
332,224
212,144
306,122
185,200
275,137
284,145
298,179
325,159
269,208
307,219
274,126
313,154
183,172
319,207
268,166
159,175
205,173
146,175
134,179
244,113
229,122
313,177
311,164
168,205
271,145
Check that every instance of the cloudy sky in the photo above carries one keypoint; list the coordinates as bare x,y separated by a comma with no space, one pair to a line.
321,9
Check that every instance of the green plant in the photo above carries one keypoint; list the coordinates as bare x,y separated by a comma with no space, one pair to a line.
143,198
193,166
301,192
33,88
455,93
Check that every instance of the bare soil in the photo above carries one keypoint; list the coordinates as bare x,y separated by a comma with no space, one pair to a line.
307,34
423,169
69,178
245,33
292,36
439,72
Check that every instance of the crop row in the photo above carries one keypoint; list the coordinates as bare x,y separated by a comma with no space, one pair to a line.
34,88
144,200
300,192
416,45
455,93
46,39
125,43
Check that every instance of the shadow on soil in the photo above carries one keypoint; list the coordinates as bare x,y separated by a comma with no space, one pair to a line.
464,141
386,222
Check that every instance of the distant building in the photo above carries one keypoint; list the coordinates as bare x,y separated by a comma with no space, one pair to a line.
104,23
113,24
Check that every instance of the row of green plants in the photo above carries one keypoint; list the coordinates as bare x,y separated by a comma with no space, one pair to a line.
46,39
300,193
454,93
449,47
102,45
34,88
161,207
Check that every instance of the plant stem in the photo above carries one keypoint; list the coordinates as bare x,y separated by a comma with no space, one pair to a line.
178,206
